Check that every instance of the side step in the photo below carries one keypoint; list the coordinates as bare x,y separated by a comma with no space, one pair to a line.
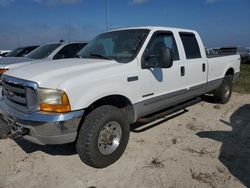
169,111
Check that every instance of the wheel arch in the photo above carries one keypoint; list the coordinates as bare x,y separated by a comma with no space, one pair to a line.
116,100
230,71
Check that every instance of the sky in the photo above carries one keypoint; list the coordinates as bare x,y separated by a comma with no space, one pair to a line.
28,22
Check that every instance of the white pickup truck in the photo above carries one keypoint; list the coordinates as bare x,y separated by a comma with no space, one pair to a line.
122,76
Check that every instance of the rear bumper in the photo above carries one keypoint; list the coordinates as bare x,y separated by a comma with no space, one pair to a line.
43,128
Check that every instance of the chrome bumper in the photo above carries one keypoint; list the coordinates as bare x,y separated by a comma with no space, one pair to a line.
44,128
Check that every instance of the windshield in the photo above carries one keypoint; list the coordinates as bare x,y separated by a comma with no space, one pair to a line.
43,51
14,53
121,45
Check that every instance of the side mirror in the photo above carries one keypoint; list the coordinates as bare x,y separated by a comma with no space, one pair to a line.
164,59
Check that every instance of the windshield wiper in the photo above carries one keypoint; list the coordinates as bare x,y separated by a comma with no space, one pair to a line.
101,56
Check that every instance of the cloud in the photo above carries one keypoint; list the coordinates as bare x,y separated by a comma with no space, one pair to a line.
212,1
6,2
139,1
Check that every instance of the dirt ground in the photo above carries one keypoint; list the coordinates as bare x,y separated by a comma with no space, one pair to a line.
206,146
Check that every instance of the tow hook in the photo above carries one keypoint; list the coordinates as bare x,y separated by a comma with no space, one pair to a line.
16,132
9,129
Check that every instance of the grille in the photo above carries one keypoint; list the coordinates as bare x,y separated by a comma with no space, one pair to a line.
20,94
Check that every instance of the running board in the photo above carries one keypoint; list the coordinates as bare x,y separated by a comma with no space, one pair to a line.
169,111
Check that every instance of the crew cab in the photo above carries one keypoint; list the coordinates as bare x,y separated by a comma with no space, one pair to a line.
121,77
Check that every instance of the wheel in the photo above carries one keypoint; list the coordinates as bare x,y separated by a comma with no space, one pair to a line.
103,137
4,129
224,92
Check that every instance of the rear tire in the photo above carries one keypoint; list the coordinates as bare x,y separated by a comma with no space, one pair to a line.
103,137
224,92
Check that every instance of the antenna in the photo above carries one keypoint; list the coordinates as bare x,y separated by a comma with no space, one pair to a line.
107,14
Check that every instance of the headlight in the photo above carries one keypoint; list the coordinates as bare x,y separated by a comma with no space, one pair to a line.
52,100
3,71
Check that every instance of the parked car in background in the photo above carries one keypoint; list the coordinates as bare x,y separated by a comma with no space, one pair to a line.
242,51
216,50
212,51
3,53
51,51
21,52
248,50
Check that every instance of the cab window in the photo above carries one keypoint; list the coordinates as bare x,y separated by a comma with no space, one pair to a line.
191,47
158,42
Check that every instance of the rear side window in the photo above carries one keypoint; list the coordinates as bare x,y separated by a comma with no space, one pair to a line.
191,46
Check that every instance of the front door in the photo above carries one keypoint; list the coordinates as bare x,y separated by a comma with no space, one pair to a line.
161,87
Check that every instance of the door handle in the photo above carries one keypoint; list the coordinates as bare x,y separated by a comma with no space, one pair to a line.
203,67
182,71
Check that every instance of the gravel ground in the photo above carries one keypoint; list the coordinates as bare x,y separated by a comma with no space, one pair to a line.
206,146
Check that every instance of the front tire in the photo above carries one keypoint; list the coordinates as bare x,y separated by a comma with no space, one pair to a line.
224,92
103,137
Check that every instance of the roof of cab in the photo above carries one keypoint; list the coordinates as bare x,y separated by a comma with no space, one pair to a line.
157,28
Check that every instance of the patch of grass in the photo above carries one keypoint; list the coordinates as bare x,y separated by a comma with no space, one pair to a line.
204,178
174,140
156,163
243,84
201,152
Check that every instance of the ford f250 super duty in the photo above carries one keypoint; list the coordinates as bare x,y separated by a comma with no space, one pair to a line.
122,76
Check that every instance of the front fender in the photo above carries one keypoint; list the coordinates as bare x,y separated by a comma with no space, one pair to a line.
94,94
83,95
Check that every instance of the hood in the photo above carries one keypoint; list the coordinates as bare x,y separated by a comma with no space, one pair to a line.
5,62
51,75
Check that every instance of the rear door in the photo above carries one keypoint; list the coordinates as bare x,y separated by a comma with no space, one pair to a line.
195,66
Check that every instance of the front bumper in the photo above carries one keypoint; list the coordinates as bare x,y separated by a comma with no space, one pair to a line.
43,128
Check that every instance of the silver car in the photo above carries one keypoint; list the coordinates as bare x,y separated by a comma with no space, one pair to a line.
51,51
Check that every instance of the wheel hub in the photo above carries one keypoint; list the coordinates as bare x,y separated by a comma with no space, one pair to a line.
109,138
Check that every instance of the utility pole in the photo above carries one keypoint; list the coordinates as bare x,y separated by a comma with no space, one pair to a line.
69,29
107,14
